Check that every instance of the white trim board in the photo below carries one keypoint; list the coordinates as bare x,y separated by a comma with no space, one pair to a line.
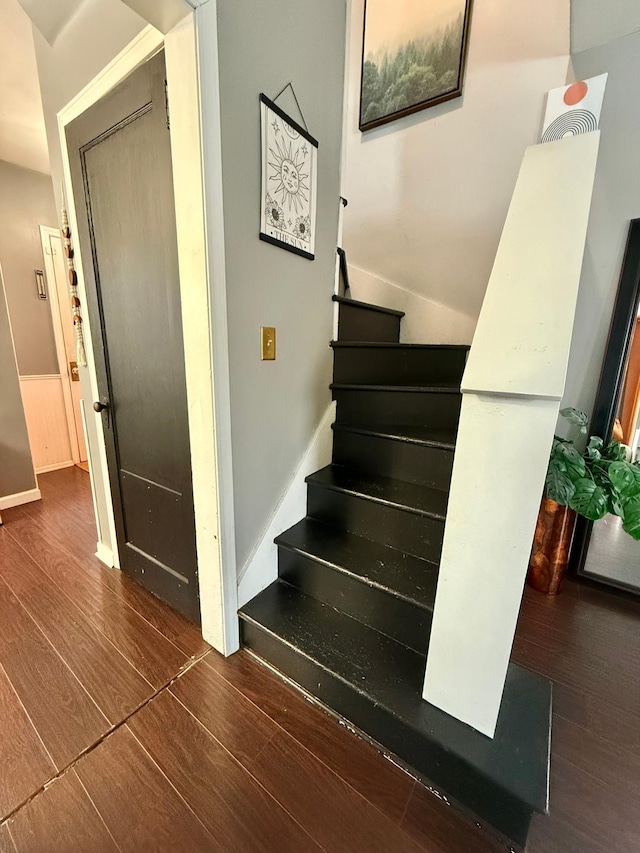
203,295
211,138
20,498
261,568
105,555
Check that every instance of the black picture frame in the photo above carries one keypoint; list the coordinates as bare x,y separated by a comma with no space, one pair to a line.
454,90
611,385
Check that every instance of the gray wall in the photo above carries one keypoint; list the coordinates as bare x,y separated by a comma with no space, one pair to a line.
16,467
96,34
26,202
276,406
616,200
596,22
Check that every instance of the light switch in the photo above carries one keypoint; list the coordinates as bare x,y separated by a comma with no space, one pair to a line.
267,343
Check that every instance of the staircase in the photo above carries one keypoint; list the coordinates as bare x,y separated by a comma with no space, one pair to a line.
349,617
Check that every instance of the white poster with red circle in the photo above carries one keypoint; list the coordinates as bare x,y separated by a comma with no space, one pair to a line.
574,109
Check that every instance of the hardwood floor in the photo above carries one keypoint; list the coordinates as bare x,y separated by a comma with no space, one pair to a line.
122,731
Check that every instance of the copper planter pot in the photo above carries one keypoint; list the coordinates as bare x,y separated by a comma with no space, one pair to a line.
551,547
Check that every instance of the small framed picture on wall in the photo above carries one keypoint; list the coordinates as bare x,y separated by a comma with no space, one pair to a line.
413,56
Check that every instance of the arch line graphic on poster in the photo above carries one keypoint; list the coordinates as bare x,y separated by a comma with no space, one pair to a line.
289,182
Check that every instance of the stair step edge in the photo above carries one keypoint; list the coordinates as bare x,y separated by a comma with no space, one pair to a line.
313,480
399,345
412,389
281,542
394,436
346,300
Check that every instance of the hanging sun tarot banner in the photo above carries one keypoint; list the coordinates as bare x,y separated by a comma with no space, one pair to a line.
289,182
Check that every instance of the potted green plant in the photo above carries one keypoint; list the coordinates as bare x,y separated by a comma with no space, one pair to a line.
592,484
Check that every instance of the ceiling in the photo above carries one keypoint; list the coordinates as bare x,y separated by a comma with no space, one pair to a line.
22,132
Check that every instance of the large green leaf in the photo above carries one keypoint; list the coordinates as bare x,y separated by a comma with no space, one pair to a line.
594,448
615,451
589,499
631,517
575,418
570,457
625,479
559,485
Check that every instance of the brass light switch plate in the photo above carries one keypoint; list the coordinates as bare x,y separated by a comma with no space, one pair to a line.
267,343
73,370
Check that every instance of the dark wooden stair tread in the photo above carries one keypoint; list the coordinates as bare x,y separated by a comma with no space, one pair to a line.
389,676
428,436
420,500
433,388
401,575
398,346
346,300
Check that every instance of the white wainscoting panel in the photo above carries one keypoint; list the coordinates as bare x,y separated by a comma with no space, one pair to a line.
46,416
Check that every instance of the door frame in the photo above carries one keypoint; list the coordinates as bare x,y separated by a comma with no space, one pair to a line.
47,232
200,238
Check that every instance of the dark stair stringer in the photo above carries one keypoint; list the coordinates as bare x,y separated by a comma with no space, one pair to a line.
349,617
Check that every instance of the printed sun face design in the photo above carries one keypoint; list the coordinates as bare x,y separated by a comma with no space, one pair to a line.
290,177
287,179
303,228
275,213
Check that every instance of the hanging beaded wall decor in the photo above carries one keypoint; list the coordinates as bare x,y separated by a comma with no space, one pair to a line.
81,355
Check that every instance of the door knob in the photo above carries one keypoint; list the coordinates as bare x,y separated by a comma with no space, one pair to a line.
99,406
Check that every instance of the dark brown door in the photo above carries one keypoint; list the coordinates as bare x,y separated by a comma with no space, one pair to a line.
122,182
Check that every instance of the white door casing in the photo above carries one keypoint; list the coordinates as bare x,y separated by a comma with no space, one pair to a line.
203,299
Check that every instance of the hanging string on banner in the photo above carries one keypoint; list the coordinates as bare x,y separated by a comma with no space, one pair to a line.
295,98
81,355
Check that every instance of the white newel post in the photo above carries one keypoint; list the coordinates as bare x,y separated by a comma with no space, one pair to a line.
512,388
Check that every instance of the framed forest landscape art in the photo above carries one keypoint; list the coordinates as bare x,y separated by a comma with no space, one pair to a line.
413,56
289,182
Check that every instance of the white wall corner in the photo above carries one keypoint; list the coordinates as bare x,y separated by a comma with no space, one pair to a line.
163,14
20,498
261,568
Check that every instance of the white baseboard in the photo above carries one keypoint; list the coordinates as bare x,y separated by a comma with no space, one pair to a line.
105,555
56,467
261,568
20,498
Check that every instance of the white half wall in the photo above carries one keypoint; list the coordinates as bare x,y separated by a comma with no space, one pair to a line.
428,194
425,321
261,568
512,387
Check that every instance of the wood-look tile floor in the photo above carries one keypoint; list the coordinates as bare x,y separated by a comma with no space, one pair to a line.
120,730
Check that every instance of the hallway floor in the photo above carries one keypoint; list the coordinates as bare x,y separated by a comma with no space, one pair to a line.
121,730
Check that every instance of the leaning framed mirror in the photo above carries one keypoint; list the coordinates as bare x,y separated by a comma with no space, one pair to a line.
602,551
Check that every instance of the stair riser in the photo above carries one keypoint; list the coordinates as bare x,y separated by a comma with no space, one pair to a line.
363,324
401,460
373,606
436,764
380,408
391,366
388,525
